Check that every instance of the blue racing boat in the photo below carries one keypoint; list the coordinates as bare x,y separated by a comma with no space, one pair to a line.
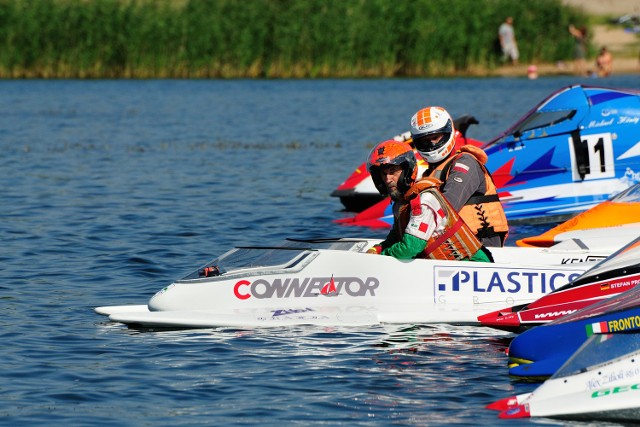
575,149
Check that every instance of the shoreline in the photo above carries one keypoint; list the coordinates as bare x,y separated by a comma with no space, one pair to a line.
624,45
620,66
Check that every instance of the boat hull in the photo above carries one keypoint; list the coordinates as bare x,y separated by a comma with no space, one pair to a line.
601,381
351,287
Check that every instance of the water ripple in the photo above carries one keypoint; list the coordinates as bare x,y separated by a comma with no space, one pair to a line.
112,189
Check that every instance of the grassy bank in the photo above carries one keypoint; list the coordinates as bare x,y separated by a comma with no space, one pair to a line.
272,38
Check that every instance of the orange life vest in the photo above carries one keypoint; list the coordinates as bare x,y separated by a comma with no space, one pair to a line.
456,242
483,213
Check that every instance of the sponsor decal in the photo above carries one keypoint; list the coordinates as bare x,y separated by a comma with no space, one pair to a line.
600,123
597,328
501,280
308,287
163,290
624,324
555,311
512,148
329,288
585,259
630,176
617,325
277,313
623,283
459,167
626,120
524,409
506,318
481,285
552,314
605,378
615,390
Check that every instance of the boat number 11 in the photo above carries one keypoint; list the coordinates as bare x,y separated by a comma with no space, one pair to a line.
598,158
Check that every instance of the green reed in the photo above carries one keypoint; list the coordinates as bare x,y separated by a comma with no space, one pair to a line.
272,38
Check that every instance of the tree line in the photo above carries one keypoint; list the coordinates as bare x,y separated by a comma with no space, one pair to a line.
273,38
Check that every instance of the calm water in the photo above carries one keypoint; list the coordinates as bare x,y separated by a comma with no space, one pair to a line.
111,189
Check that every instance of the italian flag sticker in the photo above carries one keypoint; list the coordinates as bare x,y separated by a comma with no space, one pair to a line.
597,328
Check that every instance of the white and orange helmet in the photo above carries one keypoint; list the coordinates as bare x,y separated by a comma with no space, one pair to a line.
433,133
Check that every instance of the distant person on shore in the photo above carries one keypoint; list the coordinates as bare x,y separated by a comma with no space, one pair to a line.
604,62
579,50
508,43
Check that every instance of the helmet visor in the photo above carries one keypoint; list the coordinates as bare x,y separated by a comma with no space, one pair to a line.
434,140
430,142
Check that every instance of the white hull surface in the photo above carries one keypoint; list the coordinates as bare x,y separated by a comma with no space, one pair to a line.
600,382
334,282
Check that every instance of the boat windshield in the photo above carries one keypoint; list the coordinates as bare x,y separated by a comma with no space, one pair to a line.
541,119
293,253
249,258
598,350
332,244
630,195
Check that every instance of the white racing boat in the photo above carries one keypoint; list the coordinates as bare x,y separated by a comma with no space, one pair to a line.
334,282
601,381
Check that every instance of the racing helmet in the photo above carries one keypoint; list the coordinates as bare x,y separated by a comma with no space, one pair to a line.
426,126
393,152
